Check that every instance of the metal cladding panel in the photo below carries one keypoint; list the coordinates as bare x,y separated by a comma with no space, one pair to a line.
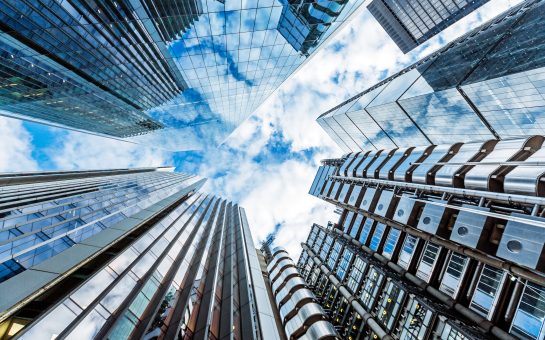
527,180
470,228
404,209
385,203
369,199
431,218
479,177
420,174
361,170
387,171
445,176
354,195
523,243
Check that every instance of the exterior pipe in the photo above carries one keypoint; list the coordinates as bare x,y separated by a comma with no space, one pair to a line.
445,299
508,198
495,262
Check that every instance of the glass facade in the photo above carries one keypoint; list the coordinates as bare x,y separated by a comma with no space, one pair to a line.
410,23
487,84
129,253
169,73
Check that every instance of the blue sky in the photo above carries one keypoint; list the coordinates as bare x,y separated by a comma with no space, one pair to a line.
269,162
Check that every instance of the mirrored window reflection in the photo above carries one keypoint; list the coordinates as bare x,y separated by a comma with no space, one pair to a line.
357,270
454,274
356,226
428,261
407,251
334,256
366,230
487,291
347,220
376,240
391,242
342,268
529,319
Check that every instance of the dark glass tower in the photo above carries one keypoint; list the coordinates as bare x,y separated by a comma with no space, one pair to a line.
488,84
127,253
411,22
433,242
176,74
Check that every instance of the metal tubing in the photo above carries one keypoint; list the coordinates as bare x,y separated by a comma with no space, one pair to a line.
508,198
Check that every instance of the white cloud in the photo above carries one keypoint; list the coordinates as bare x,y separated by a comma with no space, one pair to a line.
82,151
16,144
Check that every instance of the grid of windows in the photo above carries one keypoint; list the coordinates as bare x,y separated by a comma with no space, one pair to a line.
345,261
372,288
125,68
357,270
334,256
491,79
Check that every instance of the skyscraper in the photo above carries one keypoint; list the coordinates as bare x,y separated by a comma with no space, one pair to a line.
488,84
176,74
410,23
127,253
433,242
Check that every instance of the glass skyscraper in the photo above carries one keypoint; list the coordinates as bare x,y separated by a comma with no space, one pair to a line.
410,22
128,253
434,242
488,84
177,74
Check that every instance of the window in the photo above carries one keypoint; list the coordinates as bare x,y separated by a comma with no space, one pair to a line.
486,293
529,319
391,305
391,242
326,246
332,260
428,261
347,220
356,274
376,240
418,320
407,251
342,268
366,229
371,288
354,231
456,269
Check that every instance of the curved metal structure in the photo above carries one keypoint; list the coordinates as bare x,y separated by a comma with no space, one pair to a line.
302,316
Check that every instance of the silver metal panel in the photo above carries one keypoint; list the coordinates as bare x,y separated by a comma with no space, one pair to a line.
306,312
368,198
404,209
281,266
468,228
527,180
299,295
346,163
292,283
359,158
478,177
283,276
387,170
319,330
445,175
420,174
418,154
376,165
354,195
384,202
362,167
522,243
431,217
